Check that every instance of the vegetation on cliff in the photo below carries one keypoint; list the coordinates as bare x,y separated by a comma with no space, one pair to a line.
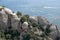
34,31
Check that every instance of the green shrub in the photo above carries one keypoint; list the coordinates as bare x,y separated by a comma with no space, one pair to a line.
19,14
26,37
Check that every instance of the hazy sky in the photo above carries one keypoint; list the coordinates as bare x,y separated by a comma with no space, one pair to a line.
47,8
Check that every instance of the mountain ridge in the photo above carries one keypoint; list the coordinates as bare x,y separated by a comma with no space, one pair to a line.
26,27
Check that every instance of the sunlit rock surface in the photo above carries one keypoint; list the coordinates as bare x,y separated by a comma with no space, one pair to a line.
40,20
10,19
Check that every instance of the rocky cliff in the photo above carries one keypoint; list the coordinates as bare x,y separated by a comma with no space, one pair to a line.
38,28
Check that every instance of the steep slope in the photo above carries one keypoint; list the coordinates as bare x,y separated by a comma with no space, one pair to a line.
36,28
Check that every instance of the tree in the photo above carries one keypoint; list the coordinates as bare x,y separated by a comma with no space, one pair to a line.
26,37
26,17
2,36
46,32
34,24
16,34
19,14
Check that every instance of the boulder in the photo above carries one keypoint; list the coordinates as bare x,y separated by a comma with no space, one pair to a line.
25,26
39,20
53,34
5,21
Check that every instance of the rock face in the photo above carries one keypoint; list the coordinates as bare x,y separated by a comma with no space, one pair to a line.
39,20
7,18
3,19
10,19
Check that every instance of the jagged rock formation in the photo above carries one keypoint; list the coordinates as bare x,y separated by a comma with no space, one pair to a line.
9,19
39,20
6,15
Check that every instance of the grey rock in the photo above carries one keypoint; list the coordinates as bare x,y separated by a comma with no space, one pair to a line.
39,20
3,19
8,18
25,26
